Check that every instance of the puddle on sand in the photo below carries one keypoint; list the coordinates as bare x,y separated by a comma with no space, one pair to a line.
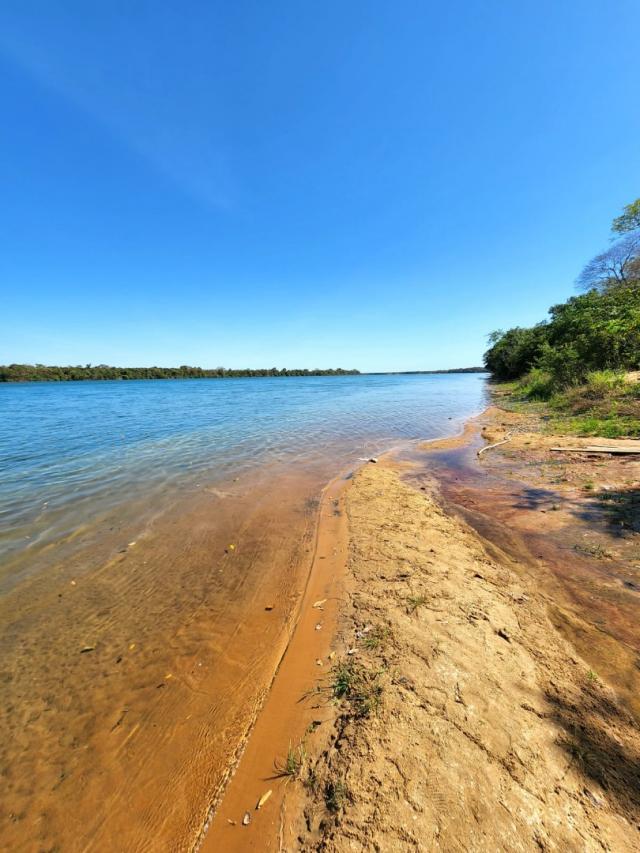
581,546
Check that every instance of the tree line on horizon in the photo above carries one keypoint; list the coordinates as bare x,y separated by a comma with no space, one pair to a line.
594,331
47,373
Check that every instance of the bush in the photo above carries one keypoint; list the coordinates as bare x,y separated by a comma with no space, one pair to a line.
537,385
563,363
601,383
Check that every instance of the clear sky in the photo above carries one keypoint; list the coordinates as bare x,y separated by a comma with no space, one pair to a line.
357,183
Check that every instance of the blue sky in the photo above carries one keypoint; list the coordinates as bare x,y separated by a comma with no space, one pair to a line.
363,184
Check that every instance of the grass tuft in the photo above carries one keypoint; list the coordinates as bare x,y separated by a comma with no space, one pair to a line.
293,764
414,602
377,638
335,795
360,687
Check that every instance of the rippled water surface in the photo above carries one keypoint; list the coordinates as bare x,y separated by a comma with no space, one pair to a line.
73,450
144,526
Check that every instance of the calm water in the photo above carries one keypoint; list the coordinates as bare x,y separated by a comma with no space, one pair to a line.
118,504
75,450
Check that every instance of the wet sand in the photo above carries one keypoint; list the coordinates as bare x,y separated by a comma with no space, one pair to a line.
569,520
292,711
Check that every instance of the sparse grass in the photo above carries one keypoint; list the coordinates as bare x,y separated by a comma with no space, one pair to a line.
593,550
311,782
293,764
377,638
592,676
359,686
414,602
335,795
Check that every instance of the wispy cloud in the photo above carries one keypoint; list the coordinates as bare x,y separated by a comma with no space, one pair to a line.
122,72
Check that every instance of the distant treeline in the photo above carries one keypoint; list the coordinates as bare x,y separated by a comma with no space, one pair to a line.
432,372
598,330
46,373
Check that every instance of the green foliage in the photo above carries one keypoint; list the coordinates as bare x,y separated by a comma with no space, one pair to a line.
600,383
629,220
514,352
538,384
597,331
611,426
44,373
586,335
592,332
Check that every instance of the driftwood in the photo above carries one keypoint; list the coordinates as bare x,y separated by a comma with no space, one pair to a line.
596,449
497,444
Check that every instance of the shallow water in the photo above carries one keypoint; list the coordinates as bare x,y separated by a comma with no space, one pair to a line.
70,452
136,648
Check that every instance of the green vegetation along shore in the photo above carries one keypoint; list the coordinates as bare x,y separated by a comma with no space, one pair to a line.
580,366
45,373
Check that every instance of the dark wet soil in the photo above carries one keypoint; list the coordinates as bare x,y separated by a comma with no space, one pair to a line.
569,520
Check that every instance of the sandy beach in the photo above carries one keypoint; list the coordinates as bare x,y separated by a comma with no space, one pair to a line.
473,681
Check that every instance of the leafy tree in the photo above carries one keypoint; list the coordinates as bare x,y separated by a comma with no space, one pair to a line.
629,220
514,352
598,330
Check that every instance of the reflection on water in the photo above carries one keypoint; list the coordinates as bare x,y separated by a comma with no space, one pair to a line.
136,646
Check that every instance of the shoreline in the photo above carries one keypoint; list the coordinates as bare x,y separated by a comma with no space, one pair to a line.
285,716
299,813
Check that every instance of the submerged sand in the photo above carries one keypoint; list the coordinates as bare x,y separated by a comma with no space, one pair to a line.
134,667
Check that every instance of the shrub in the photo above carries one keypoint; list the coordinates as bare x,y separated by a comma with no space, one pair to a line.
537,385
601,383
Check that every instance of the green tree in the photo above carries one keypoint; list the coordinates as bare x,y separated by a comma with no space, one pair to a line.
514,352
629,220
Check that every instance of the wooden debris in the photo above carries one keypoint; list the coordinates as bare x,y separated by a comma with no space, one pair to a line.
497,444
263,799
596,449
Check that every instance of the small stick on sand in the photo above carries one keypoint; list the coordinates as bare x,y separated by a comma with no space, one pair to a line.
497,444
